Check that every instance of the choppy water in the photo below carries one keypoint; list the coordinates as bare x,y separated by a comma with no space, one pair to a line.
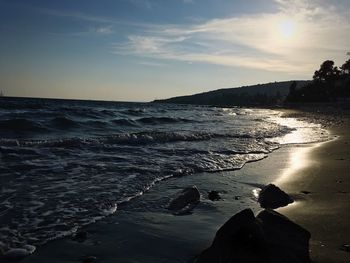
64,164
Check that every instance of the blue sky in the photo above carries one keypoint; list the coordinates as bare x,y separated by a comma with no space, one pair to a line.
139,50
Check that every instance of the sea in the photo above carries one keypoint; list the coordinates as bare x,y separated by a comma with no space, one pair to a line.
65,164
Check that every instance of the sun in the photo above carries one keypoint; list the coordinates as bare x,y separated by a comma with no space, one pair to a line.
287,28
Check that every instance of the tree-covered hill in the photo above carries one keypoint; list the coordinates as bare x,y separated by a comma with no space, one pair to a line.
256,95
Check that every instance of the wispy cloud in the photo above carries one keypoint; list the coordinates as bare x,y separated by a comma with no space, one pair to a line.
105,30
253,41
151,64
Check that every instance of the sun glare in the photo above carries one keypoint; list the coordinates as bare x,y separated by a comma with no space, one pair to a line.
287,28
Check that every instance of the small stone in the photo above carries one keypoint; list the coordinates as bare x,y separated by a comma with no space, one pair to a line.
237,197
214,196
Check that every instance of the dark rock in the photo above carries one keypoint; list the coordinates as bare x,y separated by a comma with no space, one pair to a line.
345,247
240,239
286,241
273,197
214,196
237,197
90,259
185,199
268,238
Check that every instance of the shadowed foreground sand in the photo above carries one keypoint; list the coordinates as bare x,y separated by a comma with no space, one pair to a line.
323,173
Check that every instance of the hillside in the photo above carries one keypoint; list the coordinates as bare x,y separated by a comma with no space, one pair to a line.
255,95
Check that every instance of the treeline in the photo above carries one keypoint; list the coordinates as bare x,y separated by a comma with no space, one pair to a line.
229,99
329,84
268,94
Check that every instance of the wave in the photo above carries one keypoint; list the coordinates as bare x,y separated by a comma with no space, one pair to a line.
134,112
63,122
14,105
95,124
124,122
20,125
162,120
137,138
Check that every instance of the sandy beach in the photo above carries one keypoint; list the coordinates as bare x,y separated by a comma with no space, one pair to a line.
319,178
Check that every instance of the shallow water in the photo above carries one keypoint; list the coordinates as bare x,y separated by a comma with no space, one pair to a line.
65,164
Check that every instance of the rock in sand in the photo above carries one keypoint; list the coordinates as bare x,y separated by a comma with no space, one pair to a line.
239,240
286,241
272,197
269,238
185,200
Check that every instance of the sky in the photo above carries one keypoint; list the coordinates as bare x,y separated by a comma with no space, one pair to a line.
141,50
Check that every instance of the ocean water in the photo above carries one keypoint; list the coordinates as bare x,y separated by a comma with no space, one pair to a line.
65,164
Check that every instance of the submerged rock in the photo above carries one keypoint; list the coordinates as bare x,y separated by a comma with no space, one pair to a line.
272,197
185,200
270,238
214,196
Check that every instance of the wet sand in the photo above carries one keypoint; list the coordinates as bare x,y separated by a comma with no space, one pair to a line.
322,172
144,231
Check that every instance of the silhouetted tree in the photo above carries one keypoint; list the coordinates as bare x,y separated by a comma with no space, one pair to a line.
329,84
327,72
345,68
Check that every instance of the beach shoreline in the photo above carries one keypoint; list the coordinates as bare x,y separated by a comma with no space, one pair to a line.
138,234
